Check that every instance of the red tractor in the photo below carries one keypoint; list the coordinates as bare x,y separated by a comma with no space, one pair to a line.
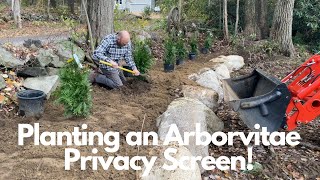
265,100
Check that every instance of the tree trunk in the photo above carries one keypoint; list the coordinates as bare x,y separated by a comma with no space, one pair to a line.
263,24
281,31
225,20
251,27
48,8
101,18
16,13
71,6
53,3
237,19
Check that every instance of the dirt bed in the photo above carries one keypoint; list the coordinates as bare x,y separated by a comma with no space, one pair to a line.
124,110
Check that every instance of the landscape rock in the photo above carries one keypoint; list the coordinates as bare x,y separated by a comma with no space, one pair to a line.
207,96
32,72
185,113
8,60
222,71
233,62
47,84
158,173
143,36
28,43
209,79
45,57
52,71
2,83
66,49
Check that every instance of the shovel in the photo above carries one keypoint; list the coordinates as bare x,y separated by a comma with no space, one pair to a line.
143,77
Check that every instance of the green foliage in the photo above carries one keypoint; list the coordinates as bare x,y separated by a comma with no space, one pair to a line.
75,90
306,28
194,44
147,12
72,24
181,50
208,41
159,24
142,56
169,51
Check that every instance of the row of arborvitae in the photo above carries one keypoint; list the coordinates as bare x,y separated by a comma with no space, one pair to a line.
176,51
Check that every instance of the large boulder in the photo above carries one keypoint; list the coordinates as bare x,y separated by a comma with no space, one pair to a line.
2,83
233,62
157,172
207,96
8,60
46,56
66,49
143,36
222,71
52,71
47,84
186,113
209,79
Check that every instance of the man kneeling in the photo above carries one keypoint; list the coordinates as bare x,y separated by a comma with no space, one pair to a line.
112,49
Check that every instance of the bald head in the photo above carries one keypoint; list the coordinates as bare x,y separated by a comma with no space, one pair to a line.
123,38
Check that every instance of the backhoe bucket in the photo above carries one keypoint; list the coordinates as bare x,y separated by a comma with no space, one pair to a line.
259,99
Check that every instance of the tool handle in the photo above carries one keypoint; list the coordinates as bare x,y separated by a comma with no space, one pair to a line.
124,69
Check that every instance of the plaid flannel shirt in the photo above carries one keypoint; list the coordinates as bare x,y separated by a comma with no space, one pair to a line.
108,51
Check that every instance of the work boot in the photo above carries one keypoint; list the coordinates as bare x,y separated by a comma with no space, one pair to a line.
92,76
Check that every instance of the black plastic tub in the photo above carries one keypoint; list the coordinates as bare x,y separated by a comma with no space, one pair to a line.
31,103
168,67
179,61
204,51
192,56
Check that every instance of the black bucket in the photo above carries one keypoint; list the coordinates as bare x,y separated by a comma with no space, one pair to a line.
168,67
179,61
204,51
192,56
31,103
259,99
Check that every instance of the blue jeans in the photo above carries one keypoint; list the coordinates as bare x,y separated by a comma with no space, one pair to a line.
111,79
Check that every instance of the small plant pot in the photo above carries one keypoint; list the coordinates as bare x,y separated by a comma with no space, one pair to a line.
192,56
204,51
168,67
31,103
179,61
125,73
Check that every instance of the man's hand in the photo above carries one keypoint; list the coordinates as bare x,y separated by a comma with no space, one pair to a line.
136,72
114,64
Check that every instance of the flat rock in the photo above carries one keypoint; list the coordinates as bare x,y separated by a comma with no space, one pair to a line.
52,71
47,84
46,56
66,49
32,72
8,60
